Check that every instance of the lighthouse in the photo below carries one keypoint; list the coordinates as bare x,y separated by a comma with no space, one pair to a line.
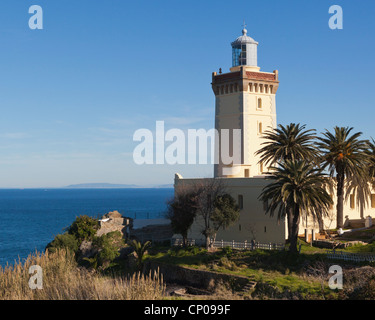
245,102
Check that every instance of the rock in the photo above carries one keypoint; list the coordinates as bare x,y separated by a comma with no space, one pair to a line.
179,292
87,250
113,214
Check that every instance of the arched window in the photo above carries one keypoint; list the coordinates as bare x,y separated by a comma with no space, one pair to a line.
260,128
259,103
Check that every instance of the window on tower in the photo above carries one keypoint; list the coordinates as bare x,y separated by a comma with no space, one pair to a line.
260,128
239,55
259,103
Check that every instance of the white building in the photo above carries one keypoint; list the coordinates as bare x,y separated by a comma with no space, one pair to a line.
246,101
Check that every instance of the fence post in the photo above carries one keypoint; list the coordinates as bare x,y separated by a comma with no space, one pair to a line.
270,246
245,245
232,244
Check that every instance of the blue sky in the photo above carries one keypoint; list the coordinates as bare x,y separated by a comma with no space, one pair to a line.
73,94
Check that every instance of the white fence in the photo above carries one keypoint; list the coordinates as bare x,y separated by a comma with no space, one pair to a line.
347,256
244,245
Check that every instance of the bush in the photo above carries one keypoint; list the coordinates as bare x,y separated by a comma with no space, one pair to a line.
63,241
108,246
84,228
227,251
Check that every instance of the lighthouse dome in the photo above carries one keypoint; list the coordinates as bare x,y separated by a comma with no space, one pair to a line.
244,51
244,39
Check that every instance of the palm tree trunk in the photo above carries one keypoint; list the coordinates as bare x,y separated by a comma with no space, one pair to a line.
290,222
294,233
340,199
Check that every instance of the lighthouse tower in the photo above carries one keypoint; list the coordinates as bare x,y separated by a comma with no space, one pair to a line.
245,104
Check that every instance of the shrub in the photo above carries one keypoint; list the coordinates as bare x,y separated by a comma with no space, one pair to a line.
66,240
227,251
84,228
140,250
108,246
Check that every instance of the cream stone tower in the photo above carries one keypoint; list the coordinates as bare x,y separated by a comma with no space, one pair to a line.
245,100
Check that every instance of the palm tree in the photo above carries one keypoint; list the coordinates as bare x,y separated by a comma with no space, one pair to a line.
346,157
292,142
371,154
140,250
300,188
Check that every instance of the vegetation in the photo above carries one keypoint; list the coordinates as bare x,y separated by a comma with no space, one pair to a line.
289,143
140,250
84,228
107,247
181,211
301,188
104,249
63,241
226,212
346,157
214,207
64,280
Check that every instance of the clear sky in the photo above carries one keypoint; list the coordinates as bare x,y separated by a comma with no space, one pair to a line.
73,94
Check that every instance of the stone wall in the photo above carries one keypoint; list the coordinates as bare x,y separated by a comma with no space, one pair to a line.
198,278
158,233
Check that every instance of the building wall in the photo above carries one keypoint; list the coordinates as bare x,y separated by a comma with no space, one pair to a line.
256,122
253,224
241,110
352,211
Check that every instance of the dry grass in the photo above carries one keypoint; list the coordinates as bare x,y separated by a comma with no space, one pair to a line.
64,280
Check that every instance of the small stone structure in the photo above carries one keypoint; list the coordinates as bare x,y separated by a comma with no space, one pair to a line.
114,221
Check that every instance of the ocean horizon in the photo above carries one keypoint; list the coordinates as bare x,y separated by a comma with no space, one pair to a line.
32,217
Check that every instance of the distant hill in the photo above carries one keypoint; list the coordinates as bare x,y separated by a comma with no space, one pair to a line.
110,185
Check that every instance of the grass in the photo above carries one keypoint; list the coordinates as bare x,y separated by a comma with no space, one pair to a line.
277,273
64,280
278,269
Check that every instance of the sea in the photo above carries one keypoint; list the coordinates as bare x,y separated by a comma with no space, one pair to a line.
31,218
